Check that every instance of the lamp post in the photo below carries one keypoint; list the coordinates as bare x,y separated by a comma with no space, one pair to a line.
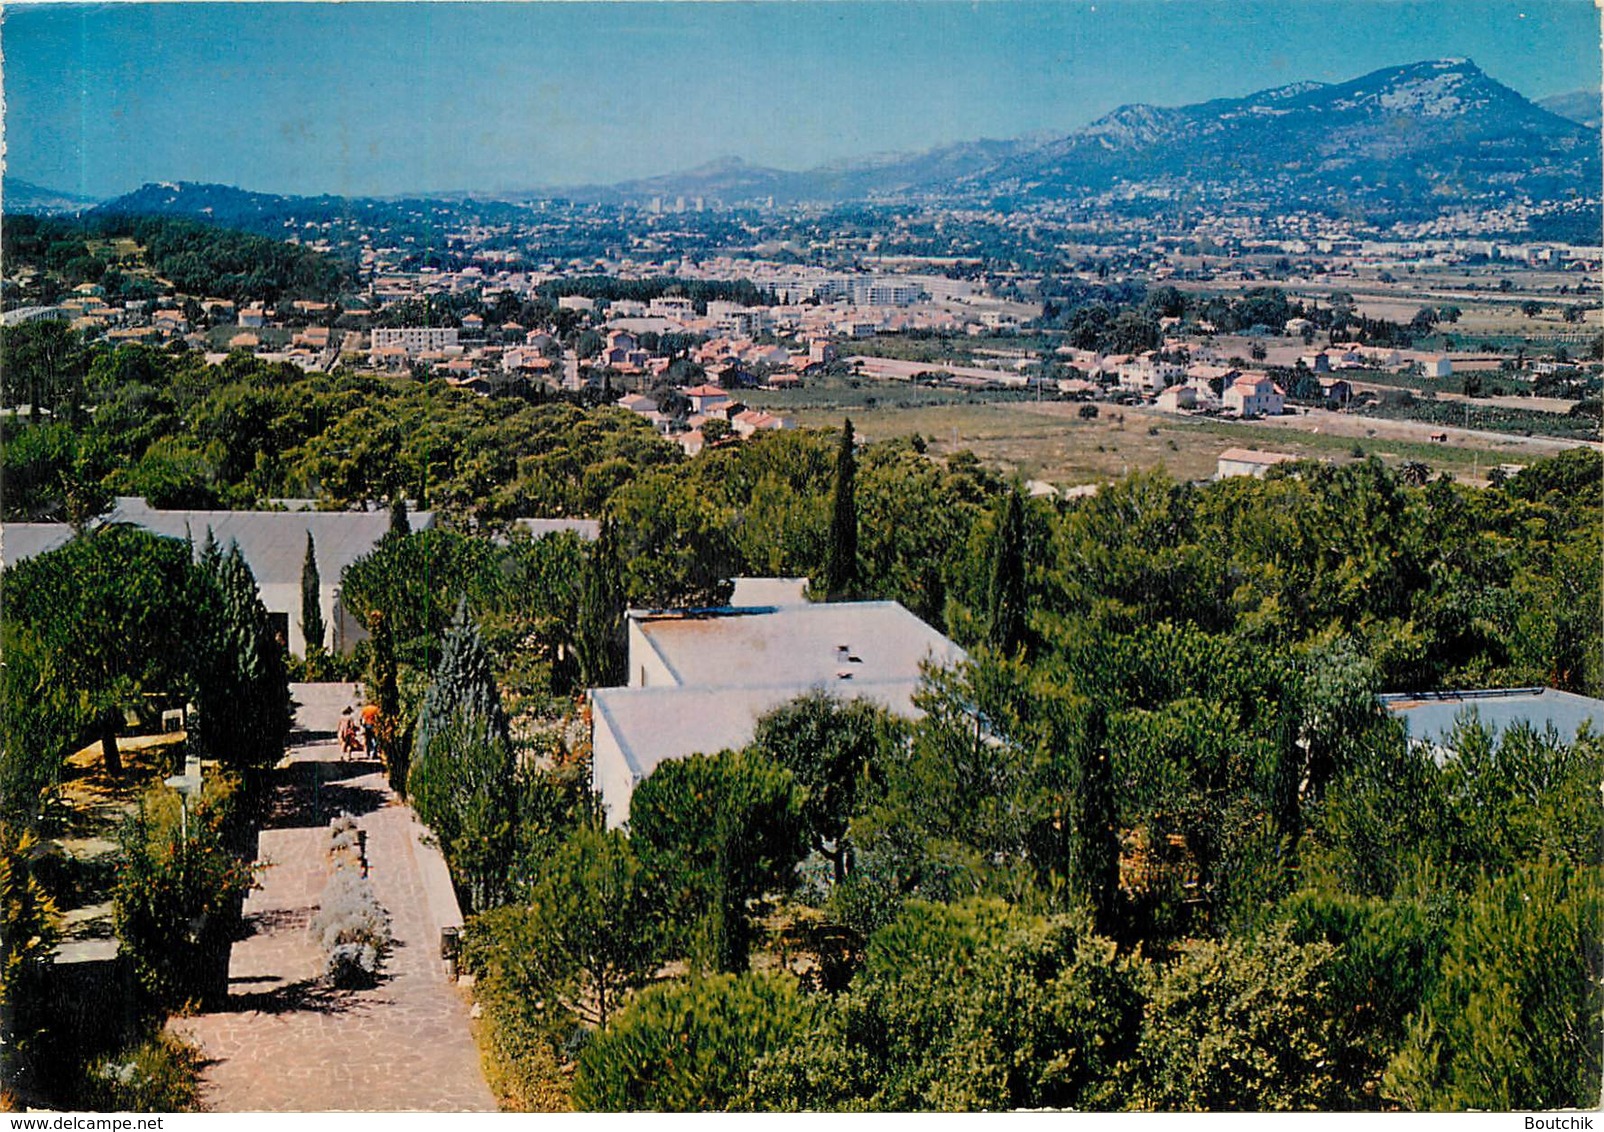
188,786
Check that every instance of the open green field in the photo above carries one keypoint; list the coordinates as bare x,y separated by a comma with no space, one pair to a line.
1050,441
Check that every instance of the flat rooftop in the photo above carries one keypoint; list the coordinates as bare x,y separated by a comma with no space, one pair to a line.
587,529
839,644
1431,716
656,725
22,541
274,542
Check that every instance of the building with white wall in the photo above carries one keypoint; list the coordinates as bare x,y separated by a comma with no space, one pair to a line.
699,681
273,544
414,339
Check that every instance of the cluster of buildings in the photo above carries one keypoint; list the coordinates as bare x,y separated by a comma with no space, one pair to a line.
291,333
707,403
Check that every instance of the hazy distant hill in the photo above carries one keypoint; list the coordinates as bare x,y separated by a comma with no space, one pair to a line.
222,204
25,196
731,179
1582,106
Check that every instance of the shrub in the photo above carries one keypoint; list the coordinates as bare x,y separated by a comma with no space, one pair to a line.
352,965
161,1074
1239,1024
178,896
689,1047
524,995
976,1006
29,928
352,927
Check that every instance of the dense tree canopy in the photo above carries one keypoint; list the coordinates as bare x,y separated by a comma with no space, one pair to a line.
1154,844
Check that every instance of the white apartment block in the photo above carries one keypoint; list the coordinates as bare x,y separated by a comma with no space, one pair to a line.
415,339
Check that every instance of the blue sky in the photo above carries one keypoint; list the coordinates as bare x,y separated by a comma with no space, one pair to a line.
409,97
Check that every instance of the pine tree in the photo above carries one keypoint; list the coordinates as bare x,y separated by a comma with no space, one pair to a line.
601,642
1005,592
311,605
841,565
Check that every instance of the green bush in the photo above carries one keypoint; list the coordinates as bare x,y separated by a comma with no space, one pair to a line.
960,1008
161,1074
1241,1024
178,898
1513,1020
689,1047
29,928
522,990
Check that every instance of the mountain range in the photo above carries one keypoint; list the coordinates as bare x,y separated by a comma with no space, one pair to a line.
1584,106
1422,134
18,195
1403,140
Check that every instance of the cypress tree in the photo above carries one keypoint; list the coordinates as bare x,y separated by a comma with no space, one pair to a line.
601,640
244,688
462,780
841,564
1093,849
1005,591
311,607
399,526
393,744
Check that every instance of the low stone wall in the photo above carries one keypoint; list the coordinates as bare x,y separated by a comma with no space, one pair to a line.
440,895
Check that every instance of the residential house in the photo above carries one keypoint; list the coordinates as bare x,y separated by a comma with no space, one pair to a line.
704,398
1177,398
1248,462
1254,395
1148,374
1335,391
745,424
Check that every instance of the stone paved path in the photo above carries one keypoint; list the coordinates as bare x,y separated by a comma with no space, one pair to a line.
286,1042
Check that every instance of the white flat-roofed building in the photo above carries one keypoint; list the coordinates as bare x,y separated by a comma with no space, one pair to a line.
700,680
1249,462
33,314
22,541
414,339
273,544
1431,718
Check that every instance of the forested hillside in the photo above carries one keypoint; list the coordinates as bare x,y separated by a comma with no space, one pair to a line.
132,256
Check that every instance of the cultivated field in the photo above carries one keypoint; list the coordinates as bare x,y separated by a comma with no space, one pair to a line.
1049,441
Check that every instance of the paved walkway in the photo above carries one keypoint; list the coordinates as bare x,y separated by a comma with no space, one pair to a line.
289,1043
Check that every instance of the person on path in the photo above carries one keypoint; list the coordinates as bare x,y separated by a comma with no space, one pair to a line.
370,721
348,740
